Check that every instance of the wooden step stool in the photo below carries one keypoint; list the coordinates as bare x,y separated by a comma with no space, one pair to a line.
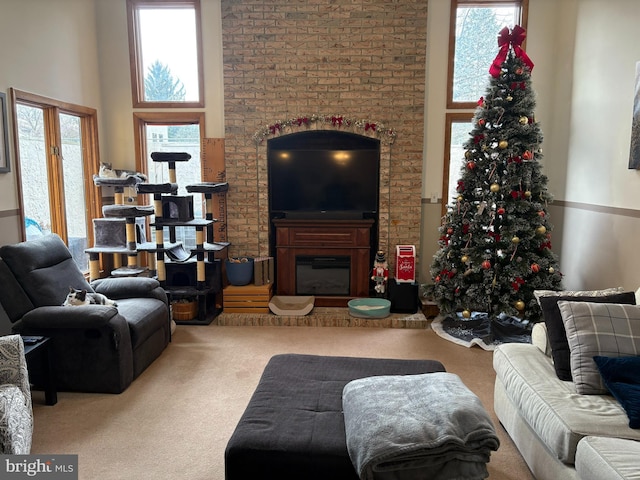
247,298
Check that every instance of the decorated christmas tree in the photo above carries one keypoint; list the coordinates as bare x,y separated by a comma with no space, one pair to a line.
495,243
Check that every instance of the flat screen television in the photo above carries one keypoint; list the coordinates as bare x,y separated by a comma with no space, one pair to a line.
323,174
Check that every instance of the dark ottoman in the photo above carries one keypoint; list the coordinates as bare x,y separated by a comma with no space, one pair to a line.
293,427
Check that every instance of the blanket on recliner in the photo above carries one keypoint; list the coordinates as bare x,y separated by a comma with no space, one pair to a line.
415,427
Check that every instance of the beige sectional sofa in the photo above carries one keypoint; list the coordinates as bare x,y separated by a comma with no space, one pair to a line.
560,433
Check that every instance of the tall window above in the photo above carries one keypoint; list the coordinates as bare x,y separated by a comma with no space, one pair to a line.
165,50
473,44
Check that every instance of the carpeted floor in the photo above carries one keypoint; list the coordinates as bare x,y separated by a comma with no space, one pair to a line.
174,421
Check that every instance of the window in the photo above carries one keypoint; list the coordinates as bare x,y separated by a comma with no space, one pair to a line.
473,34
165,50
456,134
57,157
172,132
472,44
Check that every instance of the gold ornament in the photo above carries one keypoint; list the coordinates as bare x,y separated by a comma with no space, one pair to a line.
527,194
466,314
523,120
495,188
503,144
541,230
515,240
509,98
460,198
551,270
464,259
519,305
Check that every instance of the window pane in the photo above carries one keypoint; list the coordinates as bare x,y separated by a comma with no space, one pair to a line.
476,46
459,135
177,138
33,165
74,194
169,54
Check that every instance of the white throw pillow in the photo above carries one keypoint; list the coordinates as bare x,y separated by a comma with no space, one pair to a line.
605,329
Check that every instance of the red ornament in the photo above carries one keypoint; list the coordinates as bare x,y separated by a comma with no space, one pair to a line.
500,211
527,155
486,264
471,165
535,268
449,230
481,122
541,213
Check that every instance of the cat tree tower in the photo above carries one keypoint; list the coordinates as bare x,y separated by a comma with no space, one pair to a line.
194,276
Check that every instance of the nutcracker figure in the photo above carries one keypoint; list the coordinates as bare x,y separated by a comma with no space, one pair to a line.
380,273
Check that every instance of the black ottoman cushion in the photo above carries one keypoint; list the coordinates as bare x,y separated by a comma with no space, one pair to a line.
293,427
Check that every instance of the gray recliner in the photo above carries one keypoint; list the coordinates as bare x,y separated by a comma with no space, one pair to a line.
95,348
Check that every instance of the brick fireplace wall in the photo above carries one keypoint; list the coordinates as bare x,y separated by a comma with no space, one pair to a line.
362,59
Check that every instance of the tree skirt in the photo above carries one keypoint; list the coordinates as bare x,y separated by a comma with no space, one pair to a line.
481,330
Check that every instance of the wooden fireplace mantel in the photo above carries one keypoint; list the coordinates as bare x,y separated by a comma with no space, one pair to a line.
350,238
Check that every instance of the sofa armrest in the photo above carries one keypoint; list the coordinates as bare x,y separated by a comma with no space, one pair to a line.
540,338
129,287
54,317
13,365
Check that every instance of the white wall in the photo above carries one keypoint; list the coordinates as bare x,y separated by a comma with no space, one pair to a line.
607,50
599,245
48,48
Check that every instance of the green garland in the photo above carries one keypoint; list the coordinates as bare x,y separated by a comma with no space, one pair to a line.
363,127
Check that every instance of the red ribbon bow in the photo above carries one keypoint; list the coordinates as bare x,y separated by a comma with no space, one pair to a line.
371,126
517,283
505,40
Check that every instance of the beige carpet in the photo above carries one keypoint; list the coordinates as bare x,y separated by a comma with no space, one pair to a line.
174,421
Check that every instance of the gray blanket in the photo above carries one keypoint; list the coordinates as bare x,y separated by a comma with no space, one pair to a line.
410,427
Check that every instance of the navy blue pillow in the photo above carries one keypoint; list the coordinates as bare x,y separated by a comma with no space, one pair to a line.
621,375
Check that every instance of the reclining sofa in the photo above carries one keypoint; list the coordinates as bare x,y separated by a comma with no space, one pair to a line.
95,348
